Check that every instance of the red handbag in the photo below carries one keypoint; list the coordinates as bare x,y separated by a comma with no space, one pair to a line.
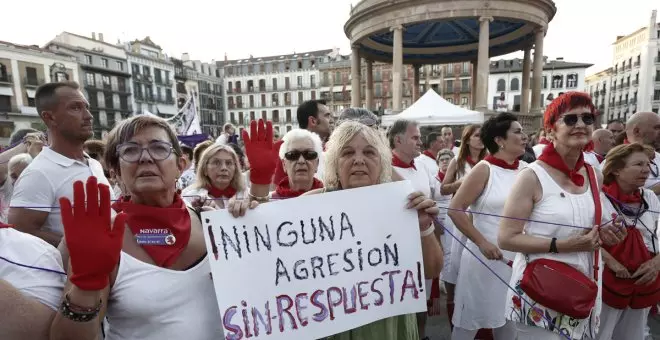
622,293
559,286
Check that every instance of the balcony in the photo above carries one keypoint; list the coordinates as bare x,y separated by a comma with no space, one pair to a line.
32,82
6,79
465,89
595,94
601,107
636,64
657,60
635,82
603,91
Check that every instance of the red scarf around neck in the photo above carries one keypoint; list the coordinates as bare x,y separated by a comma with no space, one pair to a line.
544,141
174,218
501,163
227,192
283,189
441,176
429,154
397,162
3,225
614,191
470,161
599,157
553,159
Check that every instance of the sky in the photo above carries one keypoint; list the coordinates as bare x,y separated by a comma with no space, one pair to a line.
582,30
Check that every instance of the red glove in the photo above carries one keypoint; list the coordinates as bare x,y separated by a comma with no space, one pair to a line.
259,151
94,243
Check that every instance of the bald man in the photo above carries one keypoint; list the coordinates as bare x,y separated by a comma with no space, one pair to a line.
644,128
603,141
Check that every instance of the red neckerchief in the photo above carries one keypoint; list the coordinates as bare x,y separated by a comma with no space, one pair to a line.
544,141
501,163
397,162
589,147
3,225
441,175
324,144
227,192
429,154
599,157
613,190
175,218
283,189
626,141
470,161
552,158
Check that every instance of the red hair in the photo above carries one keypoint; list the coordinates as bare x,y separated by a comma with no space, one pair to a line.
564,103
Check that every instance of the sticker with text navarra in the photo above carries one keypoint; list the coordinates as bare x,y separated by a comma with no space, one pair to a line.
293,271
155,237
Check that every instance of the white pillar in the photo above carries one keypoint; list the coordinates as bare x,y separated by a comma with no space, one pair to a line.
355,77
524,105
483,64
370,85
537,80
397,68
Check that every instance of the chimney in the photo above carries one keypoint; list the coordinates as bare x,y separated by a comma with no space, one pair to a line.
93,35
185,57
560,58
101,37
225,56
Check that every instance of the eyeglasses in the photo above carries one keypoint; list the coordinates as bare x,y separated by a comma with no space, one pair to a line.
572,119
294,155
131,152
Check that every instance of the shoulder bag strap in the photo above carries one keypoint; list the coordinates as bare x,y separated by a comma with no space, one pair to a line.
593,183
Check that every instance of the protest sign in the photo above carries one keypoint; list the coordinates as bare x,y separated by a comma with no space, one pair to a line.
317,265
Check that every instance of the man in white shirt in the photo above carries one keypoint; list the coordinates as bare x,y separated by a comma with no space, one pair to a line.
434,143
228,133
450,142
188,175
35,201
30,296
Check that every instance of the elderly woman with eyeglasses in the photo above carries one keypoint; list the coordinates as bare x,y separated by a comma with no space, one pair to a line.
300,153
218,178
356,156
148,271
630,278
551,221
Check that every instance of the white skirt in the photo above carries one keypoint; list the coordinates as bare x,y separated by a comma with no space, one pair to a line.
450,274
480,297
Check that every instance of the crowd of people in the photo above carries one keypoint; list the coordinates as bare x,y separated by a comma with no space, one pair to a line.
546,235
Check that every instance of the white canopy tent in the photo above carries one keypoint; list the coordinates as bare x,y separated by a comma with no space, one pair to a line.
432,109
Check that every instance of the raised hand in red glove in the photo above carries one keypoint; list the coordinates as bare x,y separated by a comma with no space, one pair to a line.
94,243
259,151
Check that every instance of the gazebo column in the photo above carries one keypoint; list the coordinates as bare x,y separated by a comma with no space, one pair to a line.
524,105
355,76
415,91
537,80
397,68
483,64
370,85
473,91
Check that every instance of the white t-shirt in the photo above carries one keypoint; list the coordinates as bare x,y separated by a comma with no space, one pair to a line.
25,249
51,176
222,139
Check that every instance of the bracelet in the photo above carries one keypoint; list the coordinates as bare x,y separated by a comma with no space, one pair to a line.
553,246
428,231
77,313
258,199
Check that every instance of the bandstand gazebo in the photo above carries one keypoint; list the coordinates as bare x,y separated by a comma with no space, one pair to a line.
421,32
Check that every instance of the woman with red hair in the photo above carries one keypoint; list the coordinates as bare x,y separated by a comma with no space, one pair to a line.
563,302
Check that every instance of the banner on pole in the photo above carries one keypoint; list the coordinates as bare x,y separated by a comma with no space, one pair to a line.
317,265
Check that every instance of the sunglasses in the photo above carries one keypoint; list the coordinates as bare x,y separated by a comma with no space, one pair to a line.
572,119
295,155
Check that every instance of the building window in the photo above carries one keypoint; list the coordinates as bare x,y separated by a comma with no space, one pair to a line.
120,65
572,81
300,98
464,100
89,77
313,95
88,59
104,62
501,85
545,82
300,81
3,73
450,100
515,84
557,82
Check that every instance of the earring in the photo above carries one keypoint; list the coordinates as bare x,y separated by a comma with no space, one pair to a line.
502,146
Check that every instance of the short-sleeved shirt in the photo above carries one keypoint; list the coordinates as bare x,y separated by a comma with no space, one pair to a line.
25,249
48,177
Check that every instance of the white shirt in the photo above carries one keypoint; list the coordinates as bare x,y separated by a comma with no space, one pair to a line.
432,169
419,177
222,139
49,177
538,149
44,286
187,177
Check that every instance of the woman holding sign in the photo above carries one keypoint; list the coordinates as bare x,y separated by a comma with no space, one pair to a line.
147,272
479,299
356,156
556,273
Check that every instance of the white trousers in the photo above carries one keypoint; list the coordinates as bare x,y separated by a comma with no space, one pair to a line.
622,324
506,332
535,333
